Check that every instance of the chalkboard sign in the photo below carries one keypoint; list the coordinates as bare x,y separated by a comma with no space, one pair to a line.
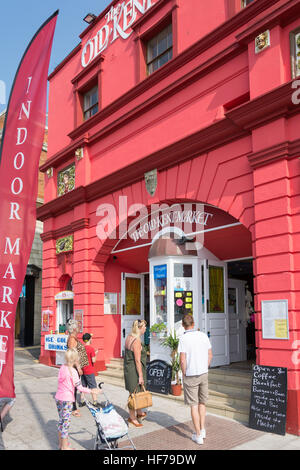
268,399
159,375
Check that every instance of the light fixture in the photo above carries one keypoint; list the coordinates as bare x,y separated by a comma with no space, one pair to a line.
89,18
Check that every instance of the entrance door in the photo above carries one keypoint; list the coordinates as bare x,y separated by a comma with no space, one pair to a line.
237,320
132,303
65,313
216,310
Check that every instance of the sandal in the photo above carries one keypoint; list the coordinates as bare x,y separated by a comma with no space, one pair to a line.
142,416
76,414
137,425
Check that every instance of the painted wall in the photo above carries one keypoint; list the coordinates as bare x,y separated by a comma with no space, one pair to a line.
219,124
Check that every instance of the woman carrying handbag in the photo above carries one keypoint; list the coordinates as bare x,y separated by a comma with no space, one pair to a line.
135,368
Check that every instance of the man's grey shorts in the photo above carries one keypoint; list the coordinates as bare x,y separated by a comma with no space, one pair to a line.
195,389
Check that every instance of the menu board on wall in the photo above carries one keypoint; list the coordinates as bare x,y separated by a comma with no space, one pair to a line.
110,303
268,399
275,321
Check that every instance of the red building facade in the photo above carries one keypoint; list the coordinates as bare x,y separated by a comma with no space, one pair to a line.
200,98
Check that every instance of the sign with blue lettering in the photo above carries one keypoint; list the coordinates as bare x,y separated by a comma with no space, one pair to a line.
160,272
56,342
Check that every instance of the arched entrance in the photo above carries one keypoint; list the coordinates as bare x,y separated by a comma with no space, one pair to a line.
183,258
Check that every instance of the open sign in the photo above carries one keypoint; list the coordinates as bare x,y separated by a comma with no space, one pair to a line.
159,375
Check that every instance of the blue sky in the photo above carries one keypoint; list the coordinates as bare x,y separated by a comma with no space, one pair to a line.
20,19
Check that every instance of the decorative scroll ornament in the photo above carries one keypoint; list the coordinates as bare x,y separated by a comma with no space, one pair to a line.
262,42
79,154
50,172
151,181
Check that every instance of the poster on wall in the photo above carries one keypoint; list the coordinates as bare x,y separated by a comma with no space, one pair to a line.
110,303
275,321
46,319
183,303
78,316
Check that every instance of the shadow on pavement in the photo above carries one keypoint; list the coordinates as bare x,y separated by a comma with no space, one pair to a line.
164,420
87,444
48,428
27,354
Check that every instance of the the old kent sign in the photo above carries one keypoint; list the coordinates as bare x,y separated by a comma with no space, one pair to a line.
118,22
151,182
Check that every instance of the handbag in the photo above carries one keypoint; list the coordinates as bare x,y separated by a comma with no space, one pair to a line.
139,400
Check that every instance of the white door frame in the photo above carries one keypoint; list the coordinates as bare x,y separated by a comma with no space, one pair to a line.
210,318
59,310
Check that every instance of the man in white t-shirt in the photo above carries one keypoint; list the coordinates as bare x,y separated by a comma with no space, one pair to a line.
195,358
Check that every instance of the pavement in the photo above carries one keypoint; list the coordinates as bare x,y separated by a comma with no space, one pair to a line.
32,423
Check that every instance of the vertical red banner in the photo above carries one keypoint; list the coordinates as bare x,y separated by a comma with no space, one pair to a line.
20,152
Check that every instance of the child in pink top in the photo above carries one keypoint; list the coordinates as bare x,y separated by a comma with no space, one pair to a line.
68,379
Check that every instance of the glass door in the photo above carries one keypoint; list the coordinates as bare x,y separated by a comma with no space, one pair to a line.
216,310
132,303
65,313
185,295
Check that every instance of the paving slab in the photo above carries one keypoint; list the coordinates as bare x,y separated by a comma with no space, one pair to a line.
32,423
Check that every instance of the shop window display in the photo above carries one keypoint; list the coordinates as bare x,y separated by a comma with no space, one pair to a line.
160,293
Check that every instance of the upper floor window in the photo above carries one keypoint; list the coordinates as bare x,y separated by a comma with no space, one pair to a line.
246,2
159,50
90,103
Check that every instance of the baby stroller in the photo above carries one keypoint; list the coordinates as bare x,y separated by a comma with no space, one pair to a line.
110,426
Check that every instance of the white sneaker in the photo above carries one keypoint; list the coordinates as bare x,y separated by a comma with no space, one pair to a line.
197,439
203,433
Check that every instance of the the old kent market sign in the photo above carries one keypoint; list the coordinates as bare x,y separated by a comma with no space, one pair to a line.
118,21
181,218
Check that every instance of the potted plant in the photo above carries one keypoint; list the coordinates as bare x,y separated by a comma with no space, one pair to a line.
158,330
172,342
176,387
